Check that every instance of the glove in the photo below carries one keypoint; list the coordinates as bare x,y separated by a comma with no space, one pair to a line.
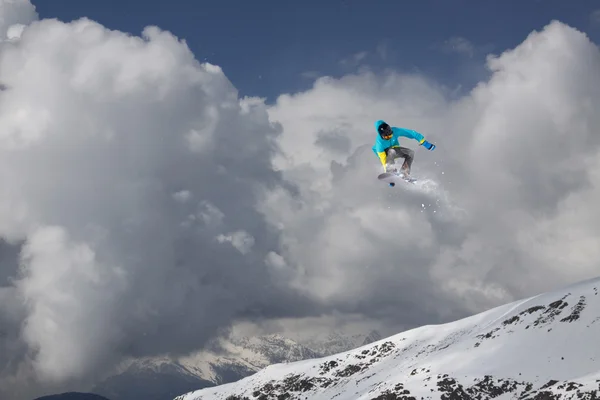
427,145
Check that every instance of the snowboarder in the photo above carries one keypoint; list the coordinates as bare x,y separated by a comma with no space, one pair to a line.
387,148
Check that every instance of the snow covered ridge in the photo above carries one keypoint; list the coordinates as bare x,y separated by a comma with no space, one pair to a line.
544,347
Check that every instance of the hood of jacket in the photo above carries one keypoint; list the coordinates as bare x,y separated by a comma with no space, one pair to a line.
378,124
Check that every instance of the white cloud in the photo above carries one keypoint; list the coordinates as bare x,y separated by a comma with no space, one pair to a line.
210,214
57,275
383,50
460,45
595,17
311,75
13,15
275,260
182,196
15,32
241,240
517,163
94,149
354,59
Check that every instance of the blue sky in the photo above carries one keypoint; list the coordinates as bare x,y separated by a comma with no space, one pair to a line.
269,47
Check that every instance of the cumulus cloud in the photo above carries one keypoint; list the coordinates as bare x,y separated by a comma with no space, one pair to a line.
241,240
145,206
354,60
595,17
517,171
383,50
14,15
458,44
124,162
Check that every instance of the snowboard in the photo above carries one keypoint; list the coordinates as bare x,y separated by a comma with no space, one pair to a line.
391,178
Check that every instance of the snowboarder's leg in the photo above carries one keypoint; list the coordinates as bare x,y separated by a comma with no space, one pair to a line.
391,159
404,152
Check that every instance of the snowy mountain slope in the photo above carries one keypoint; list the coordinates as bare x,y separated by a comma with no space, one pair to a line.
544,347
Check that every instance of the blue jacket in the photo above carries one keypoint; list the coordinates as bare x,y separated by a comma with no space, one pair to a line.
381,144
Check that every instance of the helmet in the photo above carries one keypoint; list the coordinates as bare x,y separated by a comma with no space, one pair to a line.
385,131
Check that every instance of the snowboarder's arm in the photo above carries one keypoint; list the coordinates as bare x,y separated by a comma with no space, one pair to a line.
383,158
379,150
409,133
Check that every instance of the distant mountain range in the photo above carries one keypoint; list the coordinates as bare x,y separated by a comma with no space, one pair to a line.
233,359
72,396
337,342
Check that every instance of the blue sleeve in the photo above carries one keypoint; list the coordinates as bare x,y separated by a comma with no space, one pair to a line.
409,133
378,147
